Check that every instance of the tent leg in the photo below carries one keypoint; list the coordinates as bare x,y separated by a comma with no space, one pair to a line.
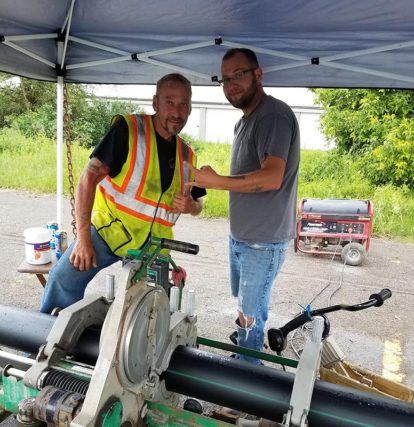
59,150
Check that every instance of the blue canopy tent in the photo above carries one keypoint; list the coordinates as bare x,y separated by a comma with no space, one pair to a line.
300,43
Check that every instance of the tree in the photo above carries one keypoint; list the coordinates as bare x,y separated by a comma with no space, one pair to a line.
376,127
30,106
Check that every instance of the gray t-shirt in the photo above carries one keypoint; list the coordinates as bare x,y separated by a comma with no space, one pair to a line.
270,216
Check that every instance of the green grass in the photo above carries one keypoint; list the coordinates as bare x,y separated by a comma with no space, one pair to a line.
218,156
30,164
394,212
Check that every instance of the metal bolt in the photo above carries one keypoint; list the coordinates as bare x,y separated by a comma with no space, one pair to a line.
190,302
110,287
174,297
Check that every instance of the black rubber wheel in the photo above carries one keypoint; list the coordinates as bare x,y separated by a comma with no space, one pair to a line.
193,405
353,254
295,244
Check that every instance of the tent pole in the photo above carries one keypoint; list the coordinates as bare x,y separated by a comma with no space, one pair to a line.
59,150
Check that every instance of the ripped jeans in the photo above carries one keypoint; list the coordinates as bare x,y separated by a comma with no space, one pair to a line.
253,270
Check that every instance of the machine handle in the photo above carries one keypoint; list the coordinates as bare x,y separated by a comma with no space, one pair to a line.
295,323
277,337
176,245
381,296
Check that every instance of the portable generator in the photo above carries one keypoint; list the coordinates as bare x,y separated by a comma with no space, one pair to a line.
335,227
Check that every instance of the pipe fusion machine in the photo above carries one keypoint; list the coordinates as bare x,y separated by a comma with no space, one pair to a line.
128,359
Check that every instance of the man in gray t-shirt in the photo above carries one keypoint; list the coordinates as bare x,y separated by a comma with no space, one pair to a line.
263,192
265,216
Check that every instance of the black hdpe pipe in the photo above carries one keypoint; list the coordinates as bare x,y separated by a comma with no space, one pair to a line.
27,331
265,392
260,390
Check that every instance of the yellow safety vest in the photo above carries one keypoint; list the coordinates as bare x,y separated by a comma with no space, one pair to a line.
131,205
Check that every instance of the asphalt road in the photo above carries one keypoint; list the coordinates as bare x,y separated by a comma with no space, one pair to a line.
378,339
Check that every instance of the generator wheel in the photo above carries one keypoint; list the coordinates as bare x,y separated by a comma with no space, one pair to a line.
353,254
295,244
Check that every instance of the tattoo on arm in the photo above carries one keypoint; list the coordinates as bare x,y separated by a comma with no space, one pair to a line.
97,168
257,189
84,216
93,168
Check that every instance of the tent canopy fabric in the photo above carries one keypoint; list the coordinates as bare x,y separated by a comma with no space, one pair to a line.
299,43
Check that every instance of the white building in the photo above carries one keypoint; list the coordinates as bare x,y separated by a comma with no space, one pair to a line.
213,118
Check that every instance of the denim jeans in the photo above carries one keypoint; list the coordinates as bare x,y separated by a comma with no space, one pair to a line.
66,284
253,269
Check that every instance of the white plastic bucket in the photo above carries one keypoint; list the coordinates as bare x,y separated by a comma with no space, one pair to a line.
37,245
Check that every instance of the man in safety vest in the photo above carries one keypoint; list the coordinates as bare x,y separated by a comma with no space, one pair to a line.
133,187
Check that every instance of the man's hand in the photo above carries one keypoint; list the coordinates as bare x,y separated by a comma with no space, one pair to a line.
205,177
83,255
186,204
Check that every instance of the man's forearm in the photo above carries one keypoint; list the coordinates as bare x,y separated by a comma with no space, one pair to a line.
254,182
85,196
248,183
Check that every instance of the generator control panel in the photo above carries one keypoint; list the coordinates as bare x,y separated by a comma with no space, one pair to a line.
333,227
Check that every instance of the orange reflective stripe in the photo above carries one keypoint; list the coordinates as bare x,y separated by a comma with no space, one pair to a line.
149,153
134,213
132,204
142,216
134,151
147,160
191,158
122,188
164,222
166,207
180,162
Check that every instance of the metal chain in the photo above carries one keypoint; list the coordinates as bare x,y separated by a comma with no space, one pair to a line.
66,121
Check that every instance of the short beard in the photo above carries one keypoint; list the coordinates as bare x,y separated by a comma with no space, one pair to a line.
246,100
171,129
175,129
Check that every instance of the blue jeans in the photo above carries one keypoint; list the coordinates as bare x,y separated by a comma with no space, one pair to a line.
253,269
66,284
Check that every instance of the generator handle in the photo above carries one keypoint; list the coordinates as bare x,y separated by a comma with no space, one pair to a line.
278,336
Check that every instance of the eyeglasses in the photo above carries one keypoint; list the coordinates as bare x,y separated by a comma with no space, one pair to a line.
237,76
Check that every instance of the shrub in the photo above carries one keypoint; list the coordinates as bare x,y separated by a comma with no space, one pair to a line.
393,161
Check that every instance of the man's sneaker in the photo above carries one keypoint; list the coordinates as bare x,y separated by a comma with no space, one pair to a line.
233,337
